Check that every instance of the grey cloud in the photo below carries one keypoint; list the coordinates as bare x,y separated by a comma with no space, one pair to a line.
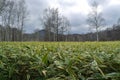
78,23
65,3
80,29
100,2
111,14
78,20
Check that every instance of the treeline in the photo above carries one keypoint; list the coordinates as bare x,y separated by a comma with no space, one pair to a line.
110,34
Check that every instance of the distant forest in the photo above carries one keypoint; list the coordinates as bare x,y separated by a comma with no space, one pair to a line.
110,34
56,27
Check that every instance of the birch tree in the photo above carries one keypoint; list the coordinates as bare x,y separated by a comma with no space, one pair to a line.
95,19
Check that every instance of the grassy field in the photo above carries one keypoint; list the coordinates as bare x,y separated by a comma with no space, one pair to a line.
60,60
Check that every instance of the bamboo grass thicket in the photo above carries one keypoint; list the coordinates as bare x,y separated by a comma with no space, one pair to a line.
60,61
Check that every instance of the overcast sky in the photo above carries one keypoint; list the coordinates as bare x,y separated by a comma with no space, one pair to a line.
75,10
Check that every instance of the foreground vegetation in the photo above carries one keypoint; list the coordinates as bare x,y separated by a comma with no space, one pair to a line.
60,61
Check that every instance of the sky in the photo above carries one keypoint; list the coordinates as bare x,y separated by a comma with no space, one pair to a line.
75,10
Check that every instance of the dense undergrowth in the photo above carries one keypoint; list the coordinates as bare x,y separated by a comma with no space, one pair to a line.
60,61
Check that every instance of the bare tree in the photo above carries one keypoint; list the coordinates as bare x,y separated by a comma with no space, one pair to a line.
7,19
54,24
12,17
21,15
95,19
50,24
47,22
2,5
65,27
